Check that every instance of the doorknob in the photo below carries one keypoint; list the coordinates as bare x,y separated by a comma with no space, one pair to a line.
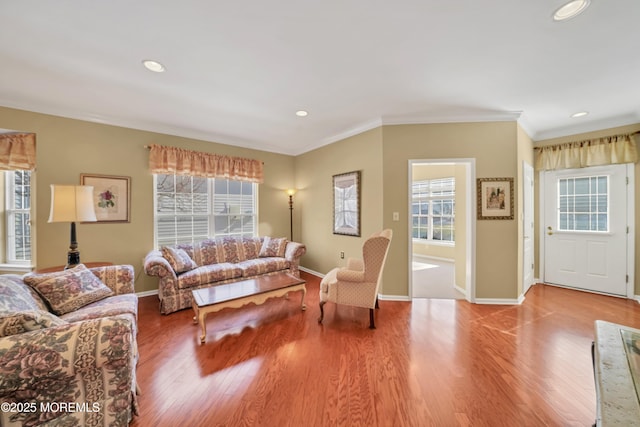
549,231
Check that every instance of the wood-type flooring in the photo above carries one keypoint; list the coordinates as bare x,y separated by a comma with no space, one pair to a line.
429,363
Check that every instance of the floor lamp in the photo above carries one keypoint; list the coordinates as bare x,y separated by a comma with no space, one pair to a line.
291,192
72,203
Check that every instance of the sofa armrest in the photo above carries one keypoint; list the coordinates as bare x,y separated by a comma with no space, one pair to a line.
157,265
119,278
293,252
90,362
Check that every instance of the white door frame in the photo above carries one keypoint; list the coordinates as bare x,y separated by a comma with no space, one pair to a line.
630,224
470,198
529,207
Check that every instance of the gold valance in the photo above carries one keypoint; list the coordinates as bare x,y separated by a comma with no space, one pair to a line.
173,160
17,151
594,152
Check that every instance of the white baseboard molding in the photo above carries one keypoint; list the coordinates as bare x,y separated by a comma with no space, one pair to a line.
393,297
500,301
308,270
147,293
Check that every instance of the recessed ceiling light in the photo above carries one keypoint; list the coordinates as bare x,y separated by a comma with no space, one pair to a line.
154,66
301,113
579,114
570,10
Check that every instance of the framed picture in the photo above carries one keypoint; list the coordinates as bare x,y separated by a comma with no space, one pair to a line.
111,196
346,204
495,198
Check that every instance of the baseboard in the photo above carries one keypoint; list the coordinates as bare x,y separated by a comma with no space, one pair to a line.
147,293
500,301
434,258
308,270
393,297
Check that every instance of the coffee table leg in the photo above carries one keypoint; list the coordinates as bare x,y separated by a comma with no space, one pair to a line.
203,326
304,294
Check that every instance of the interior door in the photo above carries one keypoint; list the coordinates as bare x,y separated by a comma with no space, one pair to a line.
585,228
527,226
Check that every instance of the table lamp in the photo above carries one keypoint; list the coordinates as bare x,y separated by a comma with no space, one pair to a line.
71,203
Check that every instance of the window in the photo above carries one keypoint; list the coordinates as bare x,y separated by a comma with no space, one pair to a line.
18,224
433,209
190,209
583,204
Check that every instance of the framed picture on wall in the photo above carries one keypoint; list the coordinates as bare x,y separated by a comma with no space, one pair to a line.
495,198
111,196
346,204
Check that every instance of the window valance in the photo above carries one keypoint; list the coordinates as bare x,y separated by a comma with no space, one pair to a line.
17,151
173,160
594,152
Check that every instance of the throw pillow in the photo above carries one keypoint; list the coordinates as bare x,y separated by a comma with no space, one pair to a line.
179,259
13,323
273,247
69,290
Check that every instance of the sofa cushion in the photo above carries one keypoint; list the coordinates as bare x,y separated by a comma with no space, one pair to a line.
69,290
18,322
178,258
112,306
15,295
273,246
208,274
254,267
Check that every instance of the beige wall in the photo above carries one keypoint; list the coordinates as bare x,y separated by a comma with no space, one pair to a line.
591,135
66,148
494,147
462,235
314,200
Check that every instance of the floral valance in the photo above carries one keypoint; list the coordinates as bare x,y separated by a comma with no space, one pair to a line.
172,160
594,152
17,151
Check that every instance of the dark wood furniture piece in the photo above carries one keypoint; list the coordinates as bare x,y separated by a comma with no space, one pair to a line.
236,294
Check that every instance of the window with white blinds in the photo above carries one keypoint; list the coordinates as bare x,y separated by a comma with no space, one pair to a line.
18,225
190,209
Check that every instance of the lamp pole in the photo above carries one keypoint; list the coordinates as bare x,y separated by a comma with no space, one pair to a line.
291,192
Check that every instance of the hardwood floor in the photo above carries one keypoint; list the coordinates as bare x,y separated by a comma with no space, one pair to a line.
428,363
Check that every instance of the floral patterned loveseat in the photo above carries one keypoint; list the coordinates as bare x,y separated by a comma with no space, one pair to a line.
68,348
184,267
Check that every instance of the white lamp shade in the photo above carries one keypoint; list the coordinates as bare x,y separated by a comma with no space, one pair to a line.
71,203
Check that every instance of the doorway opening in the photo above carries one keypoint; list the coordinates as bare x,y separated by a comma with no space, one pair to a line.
442,228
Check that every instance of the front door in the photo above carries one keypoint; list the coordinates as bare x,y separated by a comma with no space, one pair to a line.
585,228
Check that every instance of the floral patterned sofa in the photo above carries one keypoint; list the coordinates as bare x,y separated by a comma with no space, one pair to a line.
185,267
68,347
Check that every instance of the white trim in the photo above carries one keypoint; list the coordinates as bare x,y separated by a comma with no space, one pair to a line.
16,268
470,116
394,297
147,293
500,301
308,270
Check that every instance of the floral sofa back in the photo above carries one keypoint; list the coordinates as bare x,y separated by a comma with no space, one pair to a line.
67,348
184,267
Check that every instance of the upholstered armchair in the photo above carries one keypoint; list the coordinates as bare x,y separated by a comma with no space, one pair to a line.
358,283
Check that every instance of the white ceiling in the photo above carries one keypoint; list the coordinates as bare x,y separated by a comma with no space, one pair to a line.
238,70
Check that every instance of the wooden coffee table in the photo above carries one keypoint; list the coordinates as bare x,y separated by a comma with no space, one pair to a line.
236,294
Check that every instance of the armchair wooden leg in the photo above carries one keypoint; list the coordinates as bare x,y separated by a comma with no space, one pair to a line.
371,322
321,311
377,305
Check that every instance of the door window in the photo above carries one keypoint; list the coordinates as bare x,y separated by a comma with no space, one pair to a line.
583,203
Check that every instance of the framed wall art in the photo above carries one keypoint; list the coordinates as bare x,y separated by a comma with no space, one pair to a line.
111,196
346,204
495,198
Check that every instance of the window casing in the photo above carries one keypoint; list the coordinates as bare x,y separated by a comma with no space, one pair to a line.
18,217
433,210
583,203
189,209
